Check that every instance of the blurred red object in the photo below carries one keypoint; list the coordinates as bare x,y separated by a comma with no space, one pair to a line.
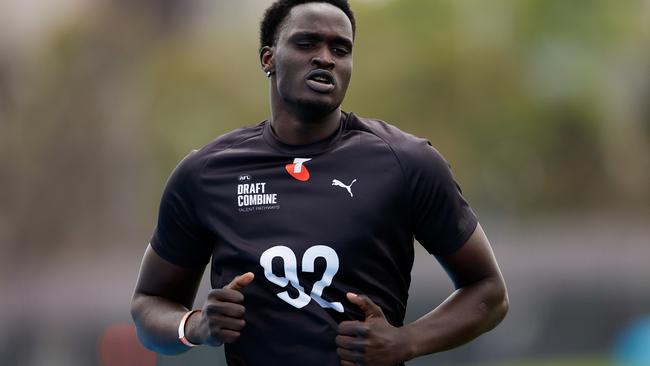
119,346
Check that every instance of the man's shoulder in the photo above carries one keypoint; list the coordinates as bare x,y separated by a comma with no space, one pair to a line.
233,138
404,144
196,159
378,127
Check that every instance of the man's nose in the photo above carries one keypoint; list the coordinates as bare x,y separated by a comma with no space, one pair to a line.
323,59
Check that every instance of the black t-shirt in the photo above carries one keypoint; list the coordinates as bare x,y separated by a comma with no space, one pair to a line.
312,222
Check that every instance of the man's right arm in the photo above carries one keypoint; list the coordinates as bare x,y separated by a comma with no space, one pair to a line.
163,294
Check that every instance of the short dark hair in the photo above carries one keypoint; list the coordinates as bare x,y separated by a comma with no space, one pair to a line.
275,14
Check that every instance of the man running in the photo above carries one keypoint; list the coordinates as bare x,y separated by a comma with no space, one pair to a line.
305,271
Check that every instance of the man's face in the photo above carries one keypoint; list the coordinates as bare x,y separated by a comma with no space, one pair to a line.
313,58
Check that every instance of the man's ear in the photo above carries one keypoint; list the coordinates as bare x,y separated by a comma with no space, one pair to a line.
266,59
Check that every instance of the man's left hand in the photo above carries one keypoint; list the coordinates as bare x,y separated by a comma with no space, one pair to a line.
372,341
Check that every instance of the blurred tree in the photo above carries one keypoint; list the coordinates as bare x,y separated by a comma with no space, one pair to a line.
538,105
77,170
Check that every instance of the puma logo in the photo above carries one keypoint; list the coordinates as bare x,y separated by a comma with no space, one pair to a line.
336,182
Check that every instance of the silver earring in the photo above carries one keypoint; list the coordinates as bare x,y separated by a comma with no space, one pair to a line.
268,74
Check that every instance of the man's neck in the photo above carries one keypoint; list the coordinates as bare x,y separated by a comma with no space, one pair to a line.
296,130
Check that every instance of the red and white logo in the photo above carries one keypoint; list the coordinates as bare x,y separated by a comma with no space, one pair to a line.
298,170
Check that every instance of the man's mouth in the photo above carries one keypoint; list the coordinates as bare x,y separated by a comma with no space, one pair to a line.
321,81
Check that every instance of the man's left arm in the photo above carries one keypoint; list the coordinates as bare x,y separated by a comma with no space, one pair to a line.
478,304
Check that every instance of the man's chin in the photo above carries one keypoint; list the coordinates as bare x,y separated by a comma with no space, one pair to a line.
315,107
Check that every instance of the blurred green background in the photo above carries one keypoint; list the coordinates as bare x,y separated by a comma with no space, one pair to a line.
541,106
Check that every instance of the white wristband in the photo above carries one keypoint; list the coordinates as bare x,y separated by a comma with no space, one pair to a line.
181,329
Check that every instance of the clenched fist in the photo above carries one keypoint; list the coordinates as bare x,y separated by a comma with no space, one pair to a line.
373,341
222,317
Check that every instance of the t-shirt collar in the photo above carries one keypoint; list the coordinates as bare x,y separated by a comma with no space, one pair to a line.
309,149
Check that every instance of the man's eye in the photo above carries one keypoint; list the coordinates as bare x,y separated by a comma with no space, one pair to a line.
305,45
340,51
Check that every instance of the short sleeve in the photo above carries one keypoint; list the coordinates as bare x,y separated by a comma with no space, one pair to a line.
179,236
442,218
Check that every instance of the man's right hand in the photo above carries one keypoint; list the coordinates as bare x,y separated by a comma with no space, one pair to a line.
222,317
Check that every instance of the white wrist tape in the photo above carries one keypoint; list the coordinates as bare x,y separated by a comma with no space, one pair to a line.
181,329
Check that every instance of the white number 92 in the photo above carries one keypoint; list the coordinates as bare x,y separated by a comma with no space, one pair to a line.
291,274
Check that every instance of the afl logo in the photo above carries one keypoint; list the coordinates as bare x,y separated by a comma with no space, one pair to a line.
298,170
244,178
